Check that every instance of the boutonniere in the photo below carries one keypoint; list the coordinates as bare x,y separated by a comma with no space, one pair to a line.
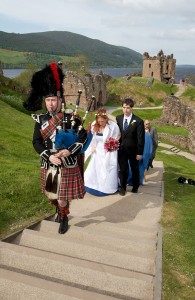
134,121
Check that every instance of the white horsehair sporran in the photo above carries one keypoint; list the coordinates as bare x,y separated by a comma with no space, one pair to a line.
53,179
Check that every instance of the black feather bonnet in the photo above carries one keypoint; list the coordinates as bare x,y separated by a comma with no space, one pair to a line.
44,83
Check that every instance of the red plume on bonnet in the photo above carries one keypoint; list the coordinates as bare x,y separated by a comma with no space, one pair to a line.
46,82
56,77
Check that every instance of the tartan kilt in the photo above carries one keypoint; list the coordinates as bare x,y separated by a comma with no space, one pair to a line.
71,185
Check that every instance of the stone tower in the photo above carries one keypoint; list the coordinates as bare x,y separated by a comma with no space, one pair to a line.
160,67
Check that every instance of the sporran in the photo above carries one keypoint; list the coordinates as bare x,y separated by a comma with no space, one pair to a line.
53,179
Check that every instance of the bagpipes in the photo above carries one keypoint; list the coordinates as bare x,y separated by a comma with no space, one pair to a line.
63,139
66,137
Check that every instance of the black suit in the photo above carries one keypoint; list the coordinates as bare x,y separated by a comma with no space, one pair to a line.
131,144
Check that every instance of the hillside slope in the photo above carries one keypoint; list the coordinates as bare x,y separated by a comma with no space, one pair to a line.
20,197
64,43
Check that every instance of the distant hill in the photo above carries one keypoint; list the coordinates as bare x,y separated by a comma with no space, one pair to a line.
67,44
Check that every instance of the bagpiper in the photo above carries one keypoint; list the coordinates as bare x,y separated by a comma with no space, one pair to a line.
61,174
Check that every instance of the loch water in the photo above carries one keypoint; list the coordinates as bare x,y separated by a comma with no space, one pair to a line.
181,72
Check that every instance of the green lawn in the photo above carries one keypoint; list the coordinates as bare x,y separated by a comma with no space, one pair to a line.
20,199
150,114
178,221
9,56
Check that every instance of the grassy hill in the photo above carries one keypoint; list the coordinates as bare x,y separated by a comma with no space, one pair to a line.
64,45
20,199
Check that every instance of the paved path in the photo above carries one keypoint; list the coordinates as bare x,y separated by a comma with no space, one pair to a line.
181,90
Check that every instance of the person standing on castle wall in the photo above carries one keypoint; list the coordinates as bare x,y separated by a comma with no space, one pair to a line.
153,132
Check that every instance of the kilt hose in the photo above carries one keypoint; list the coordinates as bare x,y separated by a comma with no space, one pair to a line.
71,185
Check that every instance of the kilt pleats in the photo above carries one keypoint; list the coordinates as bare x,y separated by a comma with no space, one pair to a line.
71,186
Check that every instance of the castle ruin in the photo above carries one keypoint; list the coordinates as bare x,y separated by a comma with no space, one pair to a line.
89,84
160,67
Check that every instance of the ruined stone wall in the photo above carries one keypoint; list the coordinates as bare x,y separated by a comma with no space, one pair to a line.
89,84
182,115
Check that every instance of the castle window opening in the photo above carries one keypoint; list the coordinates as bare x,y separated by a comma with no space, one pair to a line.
149,65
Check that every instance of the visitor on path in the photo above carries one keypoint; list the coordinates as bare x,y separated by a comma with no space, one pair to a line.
61,178
153,132
131,145
101,175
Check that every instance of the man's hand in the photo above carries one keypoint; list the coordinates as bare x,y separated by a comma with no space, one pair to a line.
138,157
63,153
55,160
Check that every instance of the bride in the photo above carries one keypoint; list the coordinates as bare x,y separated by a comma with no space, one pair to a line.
101,175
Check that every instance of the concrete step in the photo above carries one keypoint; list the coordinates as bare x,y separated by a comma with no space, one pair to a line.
126,229
102,239
60,244
97,278
15,285
123,230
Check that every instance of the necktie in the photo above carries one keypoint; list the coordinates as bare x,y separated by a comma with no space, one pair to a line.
125,125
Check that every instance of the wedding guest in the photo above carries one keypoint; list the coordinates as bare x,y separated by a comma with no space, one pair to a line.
153,132
101,175
144,161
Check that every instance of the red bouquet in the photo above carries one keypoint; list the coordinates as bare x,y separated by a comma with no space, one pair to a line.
111,144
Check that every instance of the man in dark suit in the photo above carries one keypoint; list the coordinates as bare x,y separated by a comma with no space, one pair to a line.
131,145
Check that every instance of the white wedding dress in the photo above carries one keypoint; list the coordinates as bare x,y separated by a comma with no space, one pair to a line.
101,175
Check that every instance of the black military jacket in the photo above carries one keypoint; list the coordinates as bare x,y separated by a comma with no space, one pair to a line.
45,148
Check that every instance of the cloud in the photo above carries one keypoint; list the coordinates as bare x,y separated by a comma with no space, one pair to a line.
178,34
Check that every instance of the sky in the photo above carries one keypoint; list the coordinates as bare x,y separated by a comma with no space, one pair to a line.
141,25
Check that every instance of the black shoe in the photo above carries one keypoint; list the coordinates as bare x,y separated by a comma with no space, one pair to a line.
122,192
134,190
63,225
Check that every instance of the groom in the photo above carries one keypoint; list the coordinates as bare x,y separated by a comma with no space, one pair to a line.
131,145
